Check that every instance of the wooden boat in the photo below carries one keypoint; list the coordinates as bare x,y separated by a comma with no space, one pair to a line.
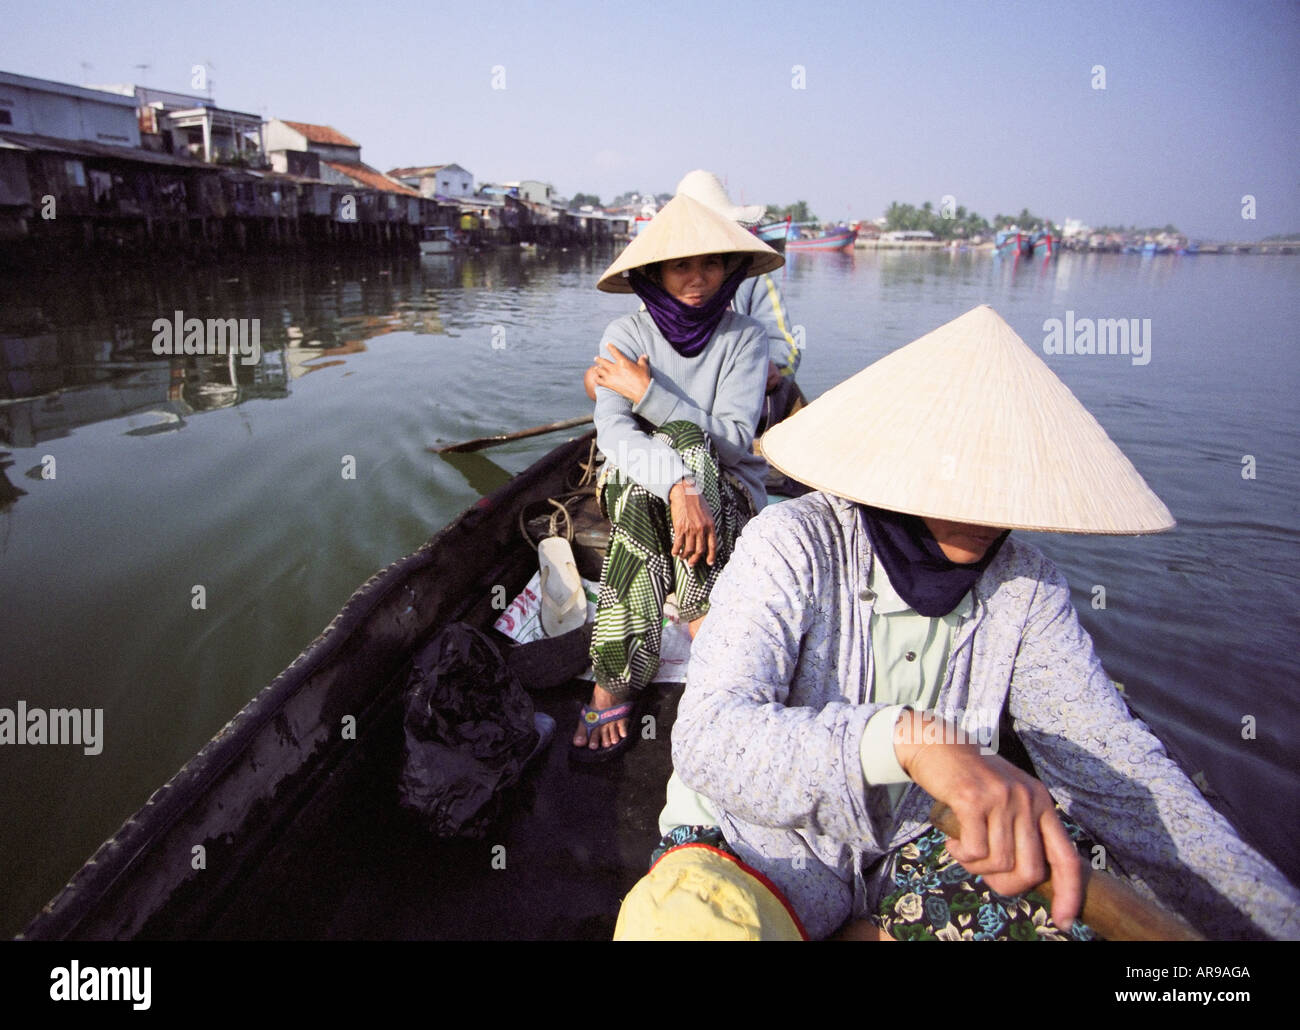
287,826
774,234
1014,243
436,239
834,239
298,828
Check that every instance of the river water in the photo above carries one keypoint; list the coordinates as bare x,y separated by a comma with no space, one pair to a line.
128,480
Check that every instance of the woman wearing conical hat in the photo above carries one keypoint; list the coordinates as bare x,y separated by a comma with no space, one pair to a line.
759,297
867,640
678,392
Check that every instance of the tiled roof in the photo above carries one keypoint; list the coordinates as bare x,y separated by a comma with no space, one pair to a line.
368,176
402,173
322,134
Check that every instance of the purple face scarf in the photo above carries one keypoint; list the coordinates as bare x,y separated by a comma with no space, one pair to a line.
917,566
688,329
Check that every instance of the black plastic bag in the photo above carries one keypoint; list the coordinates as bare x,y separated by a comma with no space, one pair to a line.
469,731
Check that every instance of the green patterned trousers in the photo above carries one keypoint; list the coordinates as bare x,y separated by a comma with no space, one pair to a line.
640,570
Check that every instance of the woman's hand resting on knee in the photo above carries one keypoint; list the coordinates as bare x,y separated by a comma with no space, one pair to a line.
693,534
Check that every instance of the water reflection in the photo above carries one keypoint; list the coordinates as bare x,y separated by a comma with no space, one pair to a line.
80,349
481,473
8,491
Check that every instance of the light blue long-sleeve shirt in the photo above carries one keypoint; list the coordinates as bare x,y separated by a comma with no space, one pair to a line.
720,390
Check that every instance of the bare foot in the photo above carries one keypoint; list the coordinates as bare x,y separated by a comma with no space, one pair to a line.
604,736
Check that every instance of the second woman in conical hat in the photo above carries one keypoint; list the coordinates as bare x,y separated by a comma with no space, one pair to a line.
759,296
679,389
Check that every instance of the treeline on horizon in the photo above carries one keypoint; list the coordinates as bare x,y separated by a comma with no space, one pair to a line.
957,224
962,224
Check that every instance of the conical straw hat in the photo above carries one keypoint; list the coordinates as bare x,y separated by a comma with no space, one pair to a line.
967,424
683,228
707,188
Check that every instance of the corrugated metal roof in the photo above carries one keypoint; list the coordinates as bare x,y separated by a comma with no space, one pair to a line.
322,134
87,148
213,110
371,177
103,96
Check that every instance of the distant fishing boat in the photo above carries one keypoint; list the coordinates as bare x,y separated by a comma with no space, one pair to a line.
1012,242
436,239
774,234
833,239
1008,243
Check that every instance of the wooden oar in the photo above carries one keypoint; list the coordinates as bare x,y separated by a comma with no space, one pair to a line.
1110,906
492,441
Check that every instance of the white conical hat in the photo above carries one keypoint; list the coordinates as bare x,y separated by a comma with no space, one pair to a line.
683,228
967,424
707,188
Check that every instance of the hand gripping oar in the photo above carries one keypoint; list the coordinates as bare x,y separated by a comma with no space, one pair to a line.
492,441
1110,906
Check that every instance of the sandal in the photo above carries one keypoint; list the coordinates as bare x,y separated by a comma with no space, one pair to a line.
592,719
564,603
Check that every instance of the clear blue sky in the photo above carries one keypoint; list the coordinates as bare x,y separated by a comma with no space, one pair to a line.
989,102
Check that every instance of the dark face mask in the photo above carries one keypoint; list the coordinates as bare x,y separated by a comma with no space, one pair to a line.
687,329
917,567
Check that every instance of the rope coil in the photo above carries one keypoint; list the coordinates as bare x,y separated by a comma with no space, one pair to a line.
581,483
